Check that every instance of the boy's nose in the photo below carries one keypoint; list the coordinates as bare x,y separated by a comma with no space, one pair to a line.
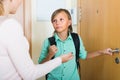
57,22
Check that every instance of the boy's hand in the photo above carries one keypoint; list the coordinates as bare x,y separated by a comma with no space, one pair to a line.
107,51
52,50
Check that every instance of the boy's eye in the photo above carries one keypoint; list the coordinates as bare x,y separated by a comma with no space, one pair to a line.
54,21
61,19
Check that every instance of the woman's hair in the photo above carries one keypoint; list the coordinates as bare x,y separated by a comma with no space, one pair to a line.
68,15
1,8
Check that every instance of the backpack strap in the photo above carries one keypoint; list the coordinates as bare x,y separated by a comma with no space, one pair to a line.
77,47
52,40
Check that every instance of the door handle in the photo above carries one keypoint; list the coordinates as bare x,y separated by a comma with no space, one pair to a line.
117,50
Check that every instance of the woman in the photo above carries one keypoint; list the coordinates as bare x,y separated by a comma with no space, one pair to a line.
15,61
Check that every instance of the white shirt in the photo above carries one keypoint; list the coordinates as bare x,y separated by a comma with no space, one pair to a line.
15,61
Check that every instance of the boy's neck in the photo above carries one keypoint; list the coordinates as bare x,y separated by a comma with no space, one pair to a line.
63,36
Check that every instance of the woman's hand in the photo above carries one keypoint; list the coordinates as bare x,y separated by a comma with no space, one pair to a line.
66,57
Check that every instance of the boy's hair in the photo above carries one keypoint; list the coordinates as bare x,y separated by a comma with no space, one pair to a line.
68,15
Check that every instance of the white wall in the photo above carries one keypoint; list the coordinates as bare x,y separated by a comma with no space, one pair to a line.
43,29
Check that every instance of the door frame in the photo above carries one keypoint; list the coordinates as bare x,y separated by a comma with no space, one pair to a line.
27,22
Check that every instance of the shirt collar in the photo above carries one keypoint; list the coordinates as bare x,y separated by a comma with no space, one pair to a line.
58,38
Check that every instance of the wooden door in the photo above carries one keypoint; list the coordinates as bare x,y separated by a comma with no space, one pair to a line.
99,28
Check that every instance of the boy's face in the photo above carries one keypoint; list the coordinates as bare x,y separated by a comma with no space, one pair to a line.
61,22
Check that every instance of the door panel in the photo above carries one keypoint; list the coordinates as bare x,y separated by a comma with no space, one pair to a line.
112,39
99,29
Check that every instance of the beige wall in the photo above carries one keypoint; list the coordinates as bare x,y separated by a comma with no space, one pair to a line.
43,29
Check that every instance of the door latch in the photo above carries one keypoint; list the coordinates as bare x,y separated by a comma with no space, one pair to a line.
116,50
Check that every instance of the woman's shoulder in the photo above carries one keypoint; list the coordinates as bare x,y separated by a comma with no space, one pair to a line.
10,26
6,19
10,21
10,30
